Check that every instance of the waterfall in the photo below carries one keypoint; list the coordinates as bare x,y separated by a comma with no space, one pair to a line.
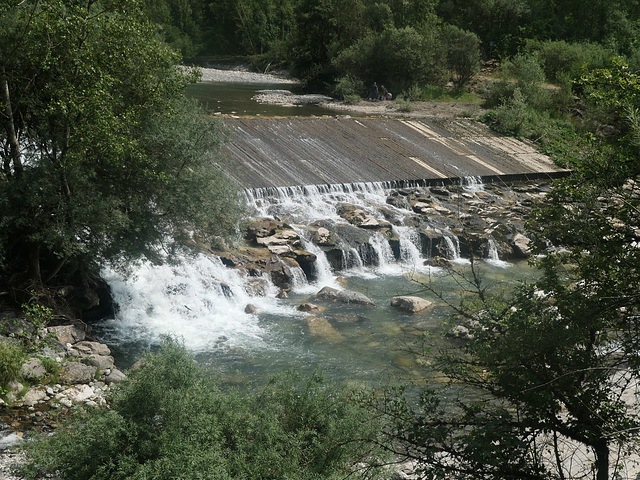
386,259
324,274
410,247
492,253
199,300
472,184
453,246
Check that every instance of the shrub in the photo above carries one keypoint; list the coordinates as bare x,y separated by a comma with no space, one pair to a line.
558,57
349,87
404,105
412,94
11,359
170,420
352,99
515,117
463,54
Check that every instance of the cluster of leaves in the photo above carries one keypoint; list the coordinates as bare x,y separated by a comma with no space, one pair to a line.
103,157
171,420
12,356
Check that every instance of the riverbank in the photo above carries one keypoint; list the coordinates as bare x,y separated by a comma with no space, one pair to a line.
384,108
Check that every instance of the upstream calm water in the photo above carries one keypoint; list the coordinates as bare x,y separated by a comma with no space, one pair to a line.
237,99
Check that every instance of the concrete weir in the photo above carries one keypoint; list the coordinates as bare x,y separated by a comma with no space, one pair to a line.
284,152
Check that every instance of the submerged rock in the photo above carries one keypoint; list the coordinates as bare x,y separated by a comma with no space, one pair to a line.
320,327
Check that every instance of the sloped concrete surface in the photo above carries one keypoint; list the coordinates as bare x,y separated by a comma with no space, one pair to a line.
280,152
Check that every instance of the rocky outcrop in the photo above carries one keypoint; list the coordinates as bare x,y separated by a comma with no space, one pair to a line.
447,221
68,367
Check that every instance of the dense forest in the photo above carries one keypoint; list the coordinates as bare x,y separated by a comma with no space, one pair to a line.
104,159
402,42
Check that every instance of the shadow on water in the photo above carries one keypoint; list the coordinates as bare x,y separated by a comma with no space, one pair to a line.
225,98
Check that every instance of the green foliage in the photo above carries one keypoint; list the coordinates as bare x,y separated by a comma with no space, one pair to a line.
12,357
115,159
560,57
515,117
170,420
37,317
349,86
397,58
404,105
463,54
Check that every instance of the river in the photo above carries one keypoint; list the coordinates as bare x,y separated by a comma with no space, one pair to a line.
203,303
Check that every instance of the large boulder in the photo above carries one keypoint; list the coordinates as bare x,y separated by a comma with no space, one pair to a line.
33,369
410,304
76,372
321,328
344,296
522,245
67,333
359,217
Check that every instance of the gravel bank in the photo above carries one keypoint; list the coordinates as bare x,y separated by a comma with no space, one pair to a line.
242,76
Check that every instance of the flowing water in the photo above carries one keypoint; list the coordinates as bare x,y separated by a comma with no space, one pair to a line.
204,303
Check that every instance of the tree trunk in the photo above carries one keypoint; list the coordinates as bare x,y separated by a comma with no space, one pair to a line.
601,449
34,265
12,137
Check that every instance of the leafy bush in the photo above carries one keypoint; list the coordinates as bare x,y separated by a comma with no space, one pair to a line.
396,57
11,358
352,99
558,57
412,94
349,87
515,117
463,54
404,105
169,420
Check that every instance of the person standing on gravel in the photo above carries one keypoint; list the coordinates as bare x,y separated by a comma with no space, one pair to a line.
374,92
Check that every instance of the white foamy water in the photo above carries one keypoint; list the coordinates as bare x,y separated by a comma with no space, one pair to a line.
198,300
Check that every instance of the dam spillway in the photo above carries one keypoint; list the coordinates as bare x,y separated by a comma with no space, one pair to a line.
268,153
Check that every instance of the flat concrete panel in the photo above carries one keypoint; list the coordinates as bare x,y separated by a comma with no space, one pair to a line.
281,152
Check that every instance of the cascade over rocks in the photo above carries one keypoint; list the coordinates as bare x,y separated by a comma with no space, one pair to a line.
483,221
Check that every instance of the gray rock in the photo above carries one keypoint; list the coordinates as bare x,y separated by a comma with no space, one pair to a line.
522,244
102,362
67,334
77,393
35,395
250,309
410,304
114,376
92,348
309,307
344,296
33,369
76,372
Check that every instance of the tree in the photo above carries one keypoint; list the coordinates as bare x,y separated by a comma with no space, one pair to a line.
112,160
323,29
463,54
544,387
